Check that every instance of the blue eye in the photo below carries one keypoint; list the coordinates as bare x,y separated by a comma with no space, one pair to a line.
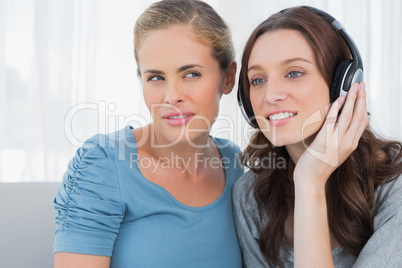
155,78
192,75
257,81
294,74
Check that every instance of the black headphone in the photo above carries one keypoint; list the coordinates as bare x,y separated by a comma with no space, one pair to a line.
349,71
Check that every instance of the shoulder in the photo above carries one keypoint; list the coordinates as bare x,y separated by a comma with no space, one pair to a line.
384,246
390,188
107,145
110,140
242,189
245,181
230,156
246,210
388,197
96,158
93,152
226,145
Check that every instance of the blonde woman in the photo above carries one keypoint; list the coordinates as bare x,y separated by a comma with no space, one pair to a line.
160,195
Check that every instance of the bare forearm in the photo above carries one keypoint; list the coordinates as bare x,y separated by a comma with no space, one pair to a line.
311,232
73,260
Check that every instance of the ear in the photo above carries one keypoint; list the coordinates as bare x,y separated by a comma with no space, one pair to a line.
230,78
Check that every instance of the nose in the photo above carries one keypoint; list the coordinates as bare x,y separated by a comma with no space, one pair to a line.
174,93
275,92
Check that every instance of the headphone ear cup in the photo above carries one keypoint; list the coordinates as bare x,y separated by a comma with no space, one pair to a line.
337,79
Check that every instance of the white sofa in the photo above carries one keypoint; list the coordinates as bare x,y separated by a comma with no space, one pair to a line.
27,224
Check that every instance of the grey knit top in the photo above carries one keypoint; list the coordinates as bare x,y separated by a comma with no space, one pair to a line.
383,249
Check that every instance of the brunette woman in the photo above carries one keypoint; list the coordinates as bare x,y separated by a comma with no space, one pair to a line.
335,198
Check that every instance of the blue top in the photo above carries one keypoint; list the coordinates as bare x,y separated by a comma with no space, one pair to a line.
105,206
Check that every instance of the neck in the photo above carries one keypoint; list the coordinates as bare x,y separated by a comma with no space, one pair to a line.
296,150
186,148
187,155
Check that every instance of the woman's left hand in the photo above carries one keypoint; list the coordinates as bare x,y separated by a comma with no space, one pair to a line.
337,139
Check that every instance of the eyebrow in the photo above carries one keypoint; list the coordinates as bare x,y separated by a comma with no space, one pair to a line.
294,59
284,62
189,66
179,70
154,72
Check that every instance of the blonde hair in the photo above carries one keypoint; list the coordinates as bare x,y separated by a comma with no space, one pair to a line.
208,26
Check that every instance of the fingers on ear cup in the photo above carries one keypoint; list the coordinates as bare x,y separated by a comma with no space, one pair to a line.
337,79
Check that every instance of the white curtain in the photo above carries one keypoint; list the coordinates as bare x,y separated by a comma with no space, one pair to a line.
67,72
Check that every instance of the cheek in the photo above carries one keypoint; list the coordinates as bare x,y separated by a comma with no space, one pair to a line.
153,95
208,94
256,101
315,115
208,102
147,98
320,105
314,98
151,99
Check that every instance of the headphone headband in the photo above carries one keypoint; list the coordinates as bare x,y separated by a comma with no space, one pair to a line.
357,60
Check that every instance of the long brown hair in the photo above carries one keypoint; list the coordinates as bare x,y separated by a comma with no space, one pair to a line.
351,188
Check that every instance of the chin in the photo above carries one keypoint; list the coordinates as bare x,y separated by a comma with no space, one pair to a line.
283,141
192,137
283,138
280,143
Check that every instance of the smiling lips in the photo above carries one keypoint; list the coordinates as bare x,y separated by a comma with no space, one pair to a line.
178,119
278,119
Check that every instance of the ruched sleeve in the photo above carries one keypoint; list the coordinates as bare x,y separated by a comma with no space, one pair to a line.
88,203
